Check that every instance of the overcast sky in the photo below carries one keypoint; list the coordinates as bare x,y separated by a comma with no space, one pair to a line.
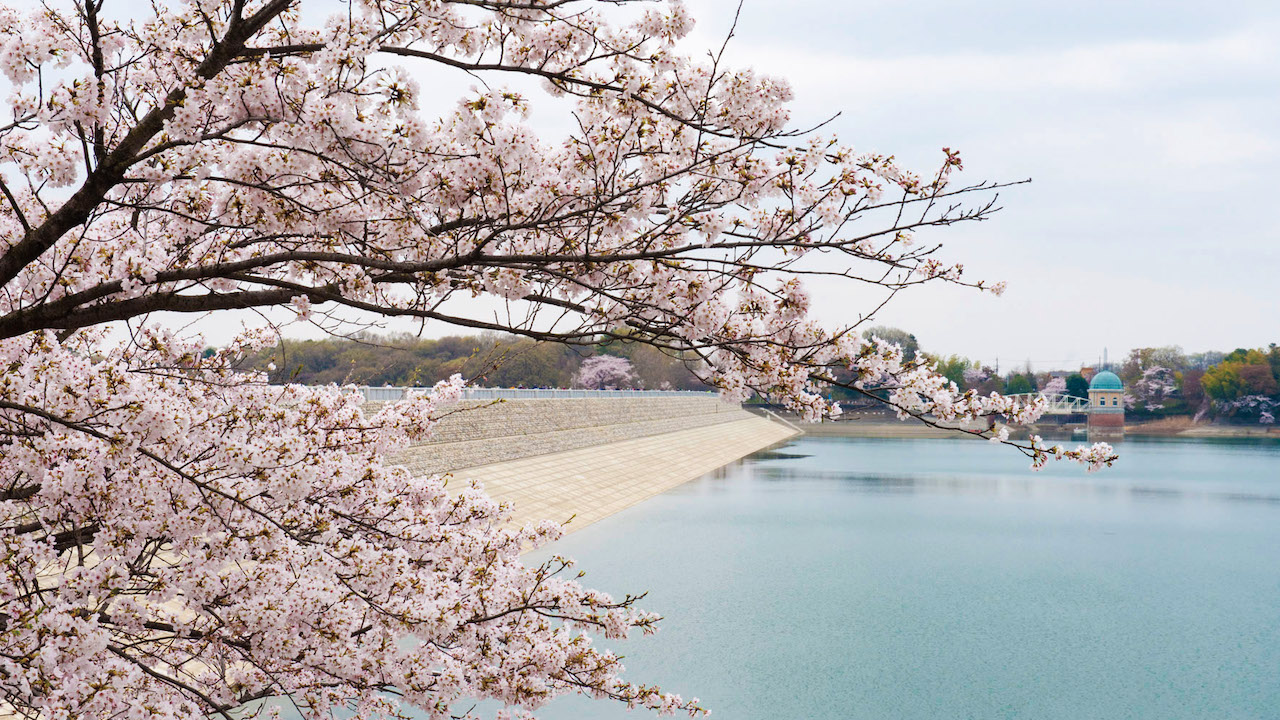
1151,131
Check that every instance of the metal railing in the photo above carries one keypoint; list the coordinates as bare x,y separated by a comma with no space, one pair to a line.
391,394
1058,404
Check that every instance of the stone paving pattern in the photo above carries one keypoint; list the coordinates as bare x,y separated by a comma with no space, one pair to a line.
591,483
482,433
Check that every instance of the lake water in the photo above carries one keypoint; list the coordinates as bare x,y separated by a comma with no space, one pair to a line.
943,579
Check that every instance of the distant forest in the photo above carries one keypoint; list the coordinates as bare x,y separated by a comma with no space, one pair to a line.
491,359
1239,386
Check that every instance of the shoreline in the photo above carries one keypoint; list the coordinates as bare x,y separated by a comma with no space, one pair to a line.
1207,431
911,430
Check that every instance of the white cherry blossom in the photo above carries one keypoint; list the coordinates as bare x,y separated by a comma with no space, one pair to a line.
180,539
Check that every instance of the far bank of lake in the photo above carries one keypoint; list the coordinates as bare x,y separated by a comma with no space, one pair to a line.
878,578
883,426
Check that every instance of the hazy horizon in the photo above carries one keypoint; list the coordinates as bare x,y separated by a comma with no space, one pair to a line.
1148,131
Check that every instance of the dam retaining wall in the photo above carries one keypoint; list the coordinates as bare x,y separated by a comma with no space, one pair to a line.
562,459
475,433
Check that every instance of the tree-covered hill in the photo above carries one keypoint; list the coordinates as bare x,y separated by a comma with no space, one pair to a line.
491,360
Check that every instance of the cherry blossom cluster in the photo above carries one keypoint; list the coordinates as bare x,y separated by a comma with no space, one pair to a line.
1156,385
1056,386
1247,405
600,372
234,540
975,376
180,539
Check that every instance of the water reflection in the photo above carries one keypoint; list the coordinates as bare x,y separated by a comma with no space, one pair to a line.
996,486
940,579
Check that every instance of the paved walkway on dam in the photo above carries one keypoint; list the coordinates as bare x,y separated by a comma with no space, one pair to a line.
592,483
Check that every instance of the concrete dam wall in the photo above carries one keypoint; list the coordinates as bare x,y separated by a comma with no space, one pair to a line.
553,459
485,432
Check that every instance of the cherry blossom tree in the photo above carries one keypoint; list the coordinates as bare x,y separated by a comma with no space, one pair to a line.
1249,407
1055,386
181,539
604,371
974,377
1157,385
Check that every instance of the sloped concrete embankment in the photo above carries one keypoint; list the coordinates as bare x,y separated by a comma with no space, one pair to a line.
553,459
481,433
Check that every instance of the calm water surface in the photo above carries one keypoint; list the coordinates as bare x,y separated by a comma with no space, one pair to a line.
942,579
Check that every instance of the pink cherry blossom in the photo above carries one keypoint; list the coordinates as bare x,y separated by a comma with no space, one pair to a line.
181,539
1055,386
605,372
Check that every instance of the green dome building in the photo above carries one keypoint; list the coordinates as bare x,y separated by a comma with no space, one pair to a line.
1106,406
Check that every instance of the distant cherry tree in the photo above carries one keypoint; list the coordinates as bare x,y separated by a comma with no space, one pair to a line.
1055,386
1140,360
181,539
1156,386
973,377
600,372
1259,408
